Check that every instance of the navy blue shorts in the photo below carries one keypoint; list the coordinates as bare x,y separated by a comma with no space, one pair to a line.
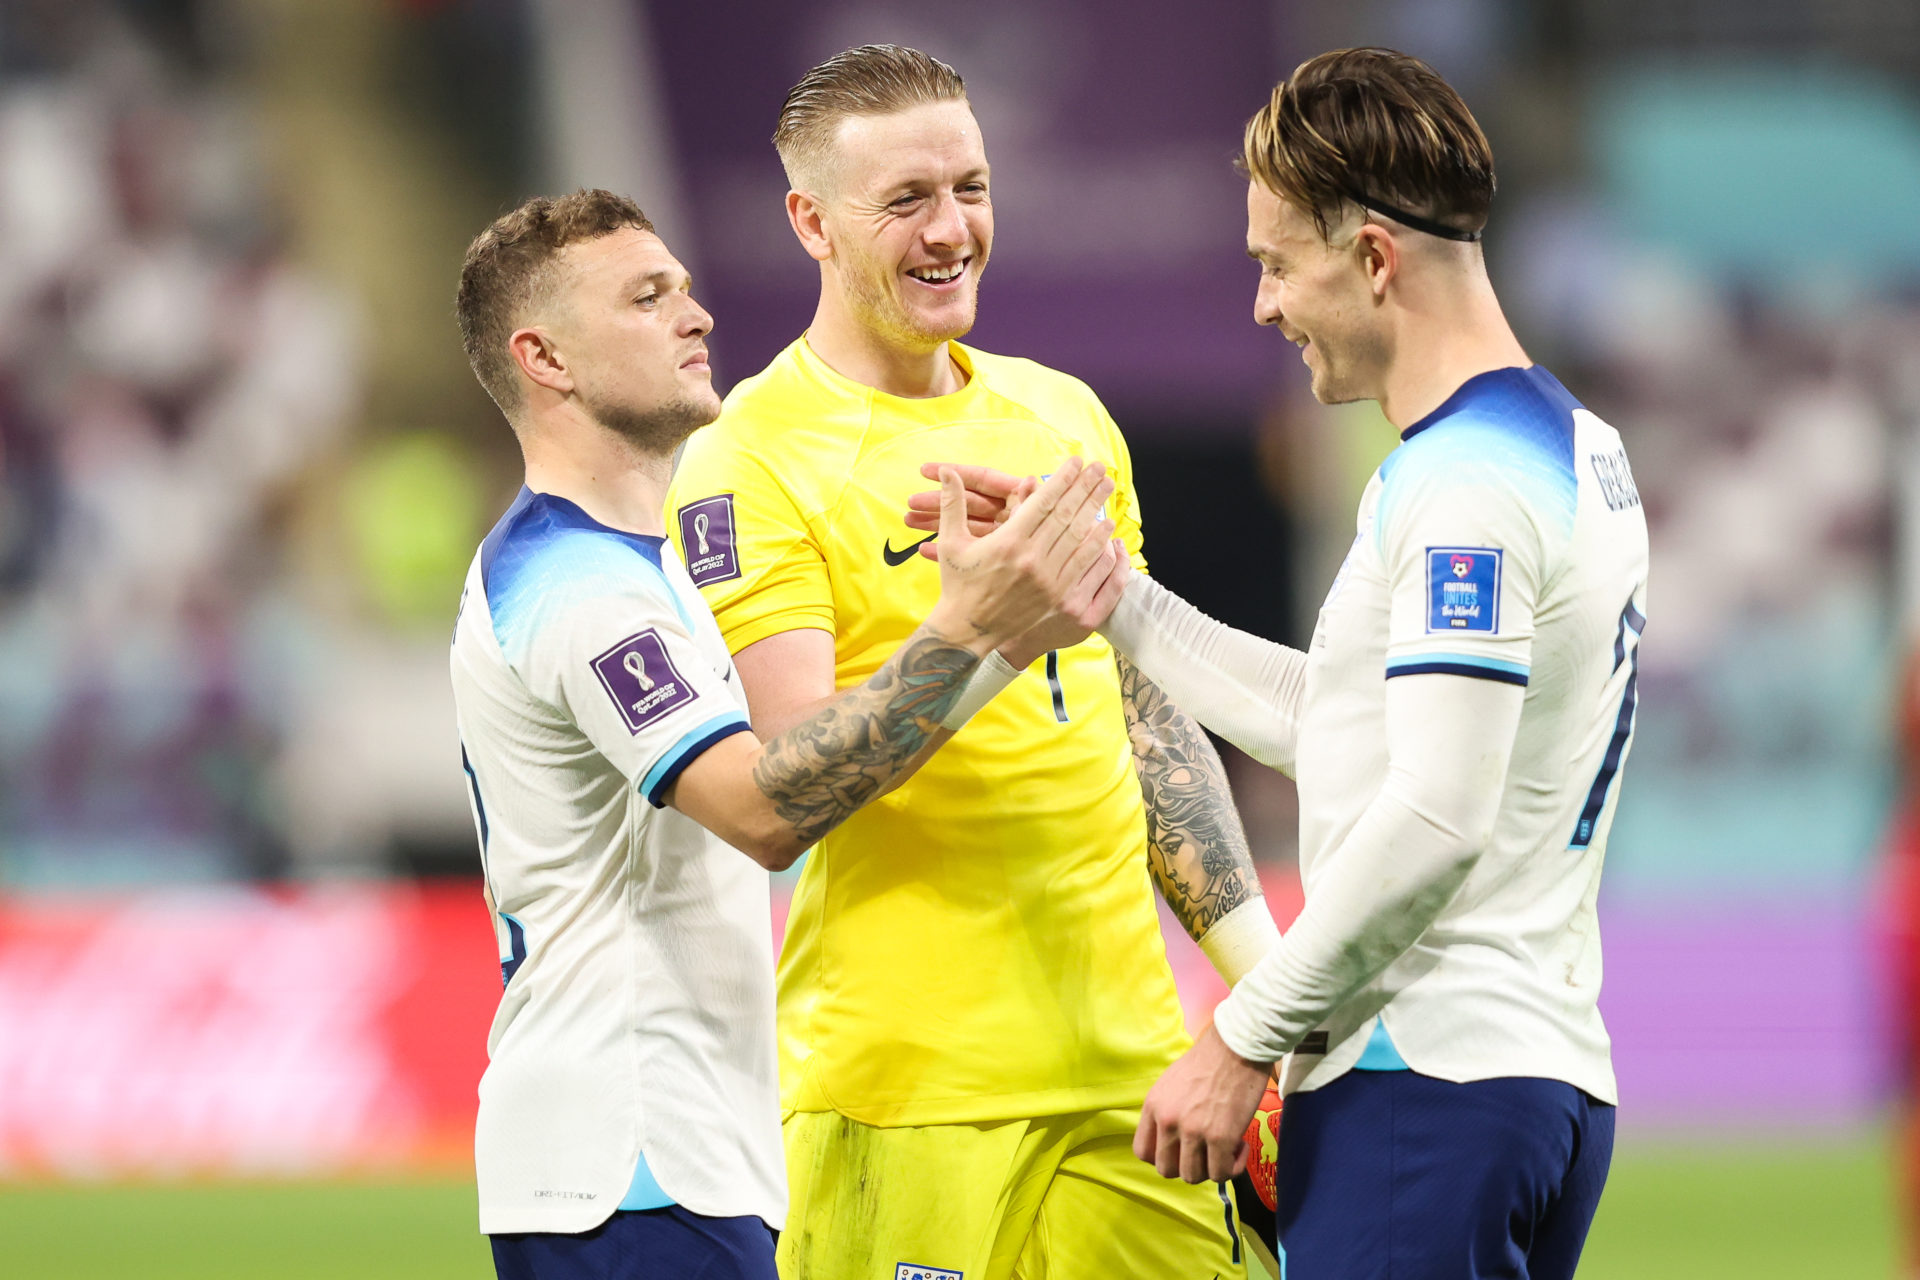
650,1242
1392,1173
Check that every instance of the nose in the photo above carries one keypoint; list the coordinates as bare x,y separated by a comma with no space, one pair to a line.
946,227
696,322
1266,304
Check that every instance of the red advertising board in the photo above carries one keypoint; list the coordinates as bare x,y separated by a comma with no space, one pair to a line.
241,1032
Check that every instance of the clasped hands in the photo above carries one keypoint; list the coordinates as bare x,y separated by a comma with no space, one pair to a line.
992,497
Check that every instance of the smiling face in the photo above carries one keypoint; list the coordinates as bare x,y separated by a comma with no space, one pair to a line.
1319,296
909,222
623,319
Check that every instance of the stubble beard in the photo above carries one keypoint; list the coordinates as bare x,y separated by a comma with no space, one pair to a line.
887,314
659,430
1335,381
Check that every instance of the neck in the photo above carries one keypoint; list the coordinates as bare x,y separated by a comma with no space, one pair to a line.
853,350
571,456
1444,339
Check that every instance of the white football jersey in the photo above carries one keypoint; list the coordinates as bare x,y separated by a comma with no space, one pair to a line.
1503,540
636,947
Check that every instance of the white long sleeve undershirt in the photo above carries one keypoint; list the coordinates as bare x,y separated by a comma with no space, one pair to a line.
1242,687
1449,741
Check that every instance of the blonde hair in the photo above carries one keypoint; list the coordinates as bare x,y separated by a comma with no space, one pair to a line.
510,264
872,80
1375,128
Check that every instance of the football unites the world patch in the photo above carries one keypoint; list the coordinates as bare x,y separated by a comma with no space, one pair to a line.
642,680
1463,589
706,536
910,1271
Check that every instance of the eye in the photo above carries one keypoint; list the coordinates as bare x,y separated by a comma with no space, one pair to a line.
647,300
973,188
902,202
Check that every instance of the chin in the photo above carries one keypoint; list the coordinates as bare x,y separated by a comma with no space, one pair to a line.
944,325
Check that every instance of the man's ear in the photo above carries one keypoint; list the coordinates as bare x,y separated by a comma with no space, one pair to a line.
1378,255
808,216
540,360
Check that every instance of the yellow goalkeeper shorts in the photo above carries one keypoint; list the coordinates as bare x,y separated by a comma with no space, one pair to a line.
1057,1198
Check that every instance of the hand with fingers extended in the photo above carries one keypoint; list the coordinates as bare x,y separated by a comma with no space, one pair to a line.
992,498
1193,1123
995,587
988,492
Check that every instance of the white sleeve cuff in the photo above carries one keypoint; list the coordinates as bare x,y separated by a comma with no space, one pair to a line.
1240,939
988,679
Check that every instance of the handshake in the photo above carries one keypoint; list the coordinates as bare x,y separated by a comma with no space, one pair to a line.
1025,566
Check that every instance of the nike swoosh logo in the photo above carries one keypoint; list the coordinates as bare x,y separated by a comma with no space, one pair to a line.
893,557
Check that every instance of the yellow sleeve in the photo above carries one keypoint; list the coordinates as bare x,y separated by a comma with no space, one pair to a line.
1126,501
747,543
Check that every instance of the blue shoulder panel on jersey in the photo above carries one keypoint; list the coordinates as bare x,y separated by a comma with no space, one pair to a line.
1518,421
545,543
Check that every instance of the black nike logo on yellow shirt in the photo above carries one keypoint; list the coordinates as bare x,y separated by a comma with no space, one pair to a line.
893,557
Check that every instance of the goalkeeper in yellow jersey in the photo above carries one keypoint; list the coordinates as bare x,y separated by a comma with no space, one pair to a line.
974,996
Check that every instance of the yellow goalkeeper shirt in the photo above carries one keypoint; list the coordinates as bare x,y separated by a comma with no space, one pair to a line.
982,943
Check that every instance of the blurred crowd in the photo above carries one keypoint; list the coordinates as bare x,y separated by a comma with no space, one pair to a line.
167,373
182,696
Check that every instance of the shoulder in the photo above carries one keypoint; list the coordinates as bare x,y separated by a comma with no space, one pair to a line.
1507,436
782,429
547,557
1036,385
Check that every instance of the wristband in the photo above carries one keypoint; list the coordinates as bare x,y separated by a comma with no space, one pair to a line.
1240,939
989,678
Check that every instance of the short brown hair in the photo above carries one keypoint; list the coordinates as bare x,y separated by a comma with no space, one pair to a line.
872,80
1371,126
510,264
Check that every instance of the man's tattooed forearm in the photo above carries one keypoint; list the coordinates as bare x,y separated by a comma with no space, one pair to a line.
1196,848
843,755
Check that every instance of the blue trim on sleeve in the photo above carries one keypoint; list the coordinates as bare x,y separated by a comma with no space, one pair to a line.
645,1191
686,751
1459,664
1381,1054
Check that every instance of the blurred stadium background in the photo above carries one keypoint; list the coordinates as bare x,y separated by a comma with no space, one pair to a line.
244,969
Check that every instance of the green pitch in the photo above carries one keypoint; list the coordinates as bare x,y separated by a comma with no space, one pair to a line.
1743,1212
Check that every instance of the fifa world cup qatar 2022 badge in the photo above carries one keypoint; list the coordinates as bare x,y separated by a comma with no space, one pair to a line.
706,534
1463,589
642,680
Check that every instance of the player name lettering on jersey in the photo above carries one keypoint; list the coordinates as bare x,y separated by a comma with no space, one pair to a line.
1616,480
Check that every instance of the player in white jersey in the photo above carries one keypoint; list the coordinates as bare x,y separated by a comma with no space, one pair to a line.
629,1113
1456,727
